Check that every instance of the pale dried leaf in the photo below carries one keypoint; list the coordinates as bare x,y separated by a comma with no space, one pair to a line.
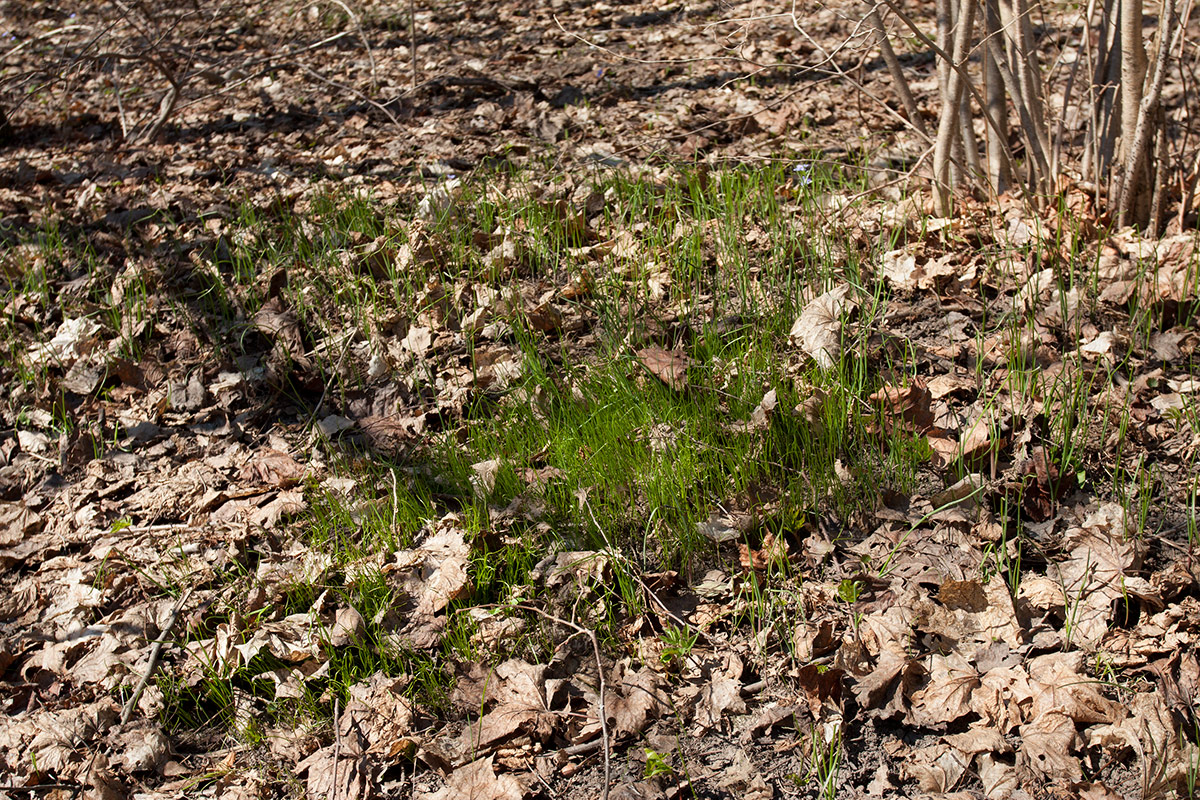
479,781
818,329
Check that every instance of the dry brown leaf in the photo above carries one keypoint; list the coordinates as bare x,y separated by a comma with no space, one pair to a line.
637,699
669,366
445,558
281,325
483,479
73,338
906,407
936,769
342,769
999,779
479,781
979,738
348,627
1150,730
141,747
885,690
970,615
721,695
1002,697
1048,745
818,329
380,711
1093,576
760,417
774,549
822,688
952,679
273,468
17,522
1059,687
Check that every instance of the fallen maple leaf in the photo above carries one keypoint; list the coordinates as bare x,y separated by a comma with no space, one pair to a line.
818,329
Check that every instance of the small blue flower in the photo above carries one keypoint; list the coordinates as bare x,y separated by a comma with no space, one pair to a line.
600,72
803,171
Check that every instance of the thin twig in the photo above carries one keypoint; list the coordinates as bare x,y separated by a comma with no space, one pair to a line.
603,711
615,554
412,40
155,654
73,788
1148,106
378,106
272,62
361,35
325,391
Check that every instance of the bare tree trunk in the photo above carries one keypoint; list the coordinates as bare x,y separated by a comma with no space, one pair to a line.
1168,32
1100,91
1133,72
970,144
945,36
1032,128
1029,94
1158,195
893,65
949,126
997,106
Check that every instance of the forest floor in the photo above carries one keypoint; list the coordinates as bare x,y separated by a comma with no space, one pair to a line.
589,406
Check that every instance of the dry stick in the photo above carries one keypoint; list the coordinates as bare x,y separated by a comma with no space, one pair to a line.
951,107
1148,107
702,59
165,108
852,199
828,57
1056,141
155,654
1107,75
1133,75
1188,188
945,36
325,391
120,103
170,99
969,143
254,62
41,37
412,39
1029,124
618,556
603,713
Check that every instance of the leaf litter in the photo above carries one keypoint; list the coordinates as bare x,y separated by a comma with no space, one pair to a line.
1005,627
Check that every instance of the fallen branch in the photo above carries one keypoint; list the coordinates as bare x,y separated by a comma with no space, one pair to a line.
155,655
